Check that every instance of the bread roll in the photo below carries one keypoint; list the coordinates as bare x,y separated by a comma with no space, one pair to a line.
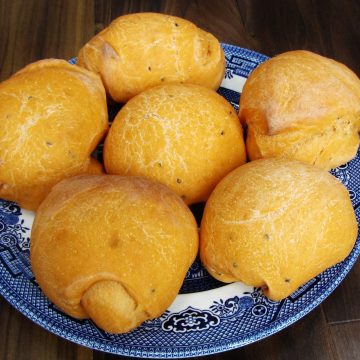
113,249
184,136
53,115
302,106
275,224
139,51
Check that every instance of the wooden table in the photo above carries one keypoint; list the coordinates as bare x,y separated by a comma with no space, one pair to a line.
36,29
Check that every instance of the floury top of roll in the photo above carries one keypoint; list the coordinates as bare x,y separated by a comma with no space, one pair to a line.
52,117
138,51
184,136
302,106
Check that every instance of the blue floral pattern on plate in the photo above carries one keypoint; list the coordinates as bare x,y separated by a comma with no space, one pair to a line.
208,317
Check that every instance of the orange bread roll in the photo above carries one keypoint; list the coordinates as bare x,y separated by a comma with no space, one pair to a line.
138,51
275,224
302,106
114,249
184,136
53,115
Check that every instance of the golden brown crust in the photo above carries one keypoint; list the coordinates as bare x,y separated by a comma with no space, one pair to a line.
302,106
108,299
95,167
110,244
276,223
184,136
53,115
138,51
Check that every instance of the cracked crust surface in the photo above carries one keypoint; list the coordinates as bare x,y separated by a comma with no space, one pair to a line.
138,51
53,115
276,223
302,106
115,249
184,136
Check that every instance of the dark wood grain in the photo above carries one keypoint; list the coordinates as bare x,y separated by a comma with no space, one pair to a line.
35,29
326,27
344,305
21,339
347,340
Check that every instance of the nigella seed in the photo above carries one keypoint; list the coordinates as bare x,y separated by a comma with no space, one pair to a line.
178,181
149,68
153,290
287,280
267,236
222,132
30,97
162,79
176,24
159,164
235,265
48,143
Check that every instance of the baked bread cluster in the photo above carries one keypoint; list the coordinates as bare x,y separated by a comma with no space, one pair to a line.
116,247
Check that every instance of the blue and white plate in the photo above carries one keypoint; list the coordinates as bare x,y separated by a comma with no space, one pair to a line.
208,316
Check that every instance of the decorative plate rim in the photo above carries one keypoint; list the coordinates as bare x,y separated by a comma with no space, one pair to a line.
198,350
